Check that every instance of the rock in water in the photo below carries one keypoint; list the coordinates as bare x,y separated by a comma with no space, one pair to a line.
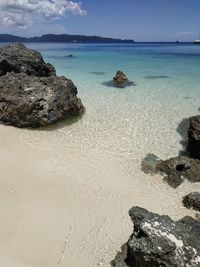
193,147
149,163
17,58
159,241
120,78
192,200
177,169
31,95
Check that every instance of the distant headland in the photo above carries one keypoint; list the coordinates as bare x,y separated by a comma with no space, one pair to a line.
62,38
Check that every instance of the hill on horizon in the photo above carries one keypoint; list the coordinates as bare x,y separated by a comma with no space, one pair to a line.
58,38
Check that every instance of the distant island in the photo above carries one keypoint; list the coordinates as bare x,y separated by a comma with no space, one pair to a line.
61,38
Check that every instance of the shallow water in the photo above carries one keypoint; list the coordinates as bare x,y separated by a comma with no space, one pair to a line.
66,190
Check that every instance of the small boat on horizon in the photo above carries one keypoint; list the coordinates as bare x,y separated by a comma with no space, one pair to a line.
197,41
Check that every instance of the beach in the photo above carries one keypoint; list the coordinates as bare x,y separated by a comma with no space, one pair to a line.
66,189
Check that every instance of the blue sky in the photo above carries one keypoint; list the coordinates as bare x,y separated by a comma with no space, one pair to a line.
141,20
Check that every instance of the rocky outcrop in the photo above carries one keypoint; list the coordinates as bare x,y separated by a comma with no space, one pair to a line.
31,95
159,241
193,147
192,201
29,101
17,58
120,78
175,170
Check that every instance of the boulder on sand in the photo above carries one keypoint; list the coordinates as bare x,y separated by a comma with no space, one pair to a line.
29,101
31,95
193,147
159,241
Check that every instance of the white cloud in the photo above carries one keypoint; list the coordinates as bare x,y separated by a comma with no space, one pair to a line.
26,13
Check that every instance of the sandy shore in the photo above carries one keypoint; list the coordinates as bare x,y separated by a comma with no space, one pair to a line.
63,204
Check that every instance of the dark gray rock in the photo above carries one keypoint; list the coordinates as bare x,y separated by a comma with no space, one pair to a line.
19,59
119,260
192,201
193,146
29,101
177,169
159,241
31,95
120,78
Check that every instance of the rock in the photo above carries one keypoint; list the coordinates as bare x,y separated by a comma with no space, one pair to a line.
149,163
70,56
193,147
31,95
120,78
192,200
119,260
159,241
29,101
177,169
17,58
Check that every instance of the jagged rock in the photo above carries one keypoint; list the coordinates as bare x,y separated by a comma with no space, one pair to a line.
29,101
193,147
120,78
159,241
31,95
192,200
177,169
17,58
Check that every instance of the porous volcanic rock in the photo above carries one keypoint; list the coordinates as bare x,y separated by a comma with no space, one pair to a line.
159,241
192,201
29,101
193,146
17,58
31,95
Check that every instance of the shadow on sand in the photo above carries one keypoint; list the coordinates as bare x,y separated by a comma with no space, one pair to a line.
98,73
124,85
60,124
182,130
157,77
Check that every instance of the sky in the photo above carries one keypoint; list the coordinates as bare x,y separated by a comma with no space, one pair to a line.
141,20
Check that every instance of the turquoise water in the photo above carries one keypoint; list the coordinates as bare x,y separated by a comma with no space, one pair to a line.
177,65
167,90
